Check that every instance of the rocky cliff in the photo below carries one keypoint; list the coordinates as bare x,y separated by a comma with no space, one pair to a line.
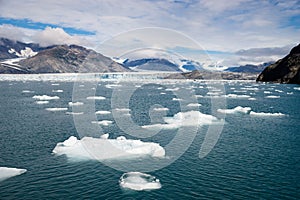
285,70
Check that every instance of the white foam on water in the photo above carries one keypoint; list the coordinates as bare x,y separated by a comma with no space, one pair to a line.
238,109
6,172
194,105
56,109
160,126
103,122
74,113
75,103
160,109
96,98
102,112
58,91
139,181
272,97
162,93
103,148
55,84
198,96
289,93
263,114
44,97
42,102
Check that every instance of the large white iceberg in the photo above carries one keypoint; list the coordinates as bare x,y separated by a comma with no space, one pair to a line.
6,172
139,181
104,149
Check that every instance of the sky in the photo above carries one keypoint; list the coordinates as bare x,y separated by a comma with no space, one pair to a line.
231,32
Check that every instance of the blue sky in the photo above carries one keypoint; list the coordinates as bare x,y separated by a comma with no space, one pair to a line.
220,27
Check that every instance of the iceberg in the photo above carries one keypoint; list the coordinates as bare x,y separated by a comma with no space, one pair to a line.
139,181
89,148
272,97
58,91
6,172
44,97
238,109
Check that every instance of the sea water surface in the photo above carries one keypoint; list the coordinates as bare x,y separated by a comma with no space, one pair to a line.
255,157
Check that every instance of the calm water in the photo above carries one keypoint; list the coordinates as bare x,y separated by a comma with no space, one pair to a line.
254,158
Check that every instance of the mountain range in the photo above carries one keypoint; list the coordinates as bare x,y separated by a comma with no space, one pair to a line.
18,57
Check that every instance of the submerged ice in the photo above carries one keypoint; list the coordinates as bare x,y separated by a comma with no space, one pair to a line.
139,181
103,148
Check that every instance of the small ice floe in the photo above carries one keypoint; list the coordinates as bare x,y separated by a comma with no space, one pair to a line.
139,181
272,97
267,92
89,148
296,88
42,102
57,91
56,109
172,89
122,109
235,96
263,114
238,109
252,99
55,84
102,112
96,98
74,113
176,99
75,103
103,122
194,105
44,97
160,109
6,172
27,91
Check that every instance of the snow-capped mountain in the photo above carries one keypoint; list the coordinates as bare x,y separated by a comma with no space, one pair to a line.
160,64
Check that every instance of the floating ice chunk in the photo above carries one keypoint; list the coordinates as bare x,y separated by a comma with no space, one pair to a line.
267,92
122,109
160,109
103,122
45,97
75,103
194,105
238,109
198,96
104,148
104,136
96,97
172,89
56,109
58,91
176,99
252,99
139,181
263,114
55,84
191,118
272,97
6,172
74,113
162,93
289,93
236,96
161,126
27,91
296,88
42,102
102,112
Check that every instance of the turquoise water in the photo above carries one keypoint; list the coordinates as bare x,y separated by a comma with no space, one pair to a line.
255,157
